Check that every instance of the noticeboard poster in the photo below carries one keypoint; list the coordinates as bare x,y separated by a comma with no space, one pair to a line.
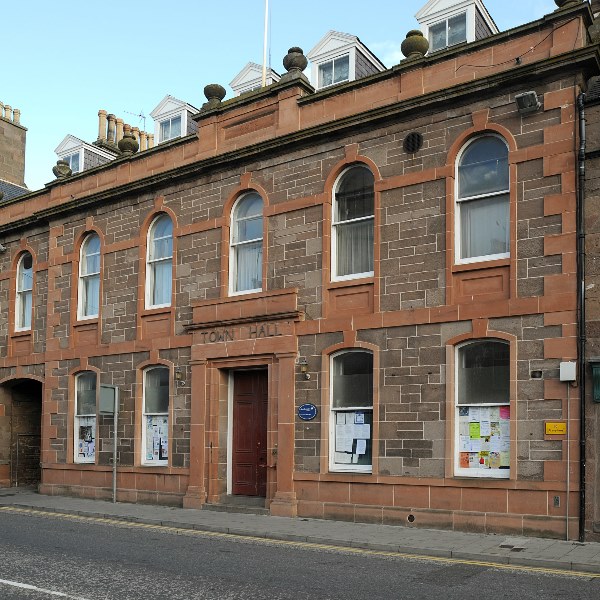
484,439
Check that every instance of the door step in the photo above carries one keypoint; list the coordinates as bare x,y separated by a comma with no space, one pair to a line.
248,505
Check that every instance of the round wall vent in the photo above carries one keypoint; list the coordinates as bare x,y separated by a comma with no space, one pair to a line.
413,142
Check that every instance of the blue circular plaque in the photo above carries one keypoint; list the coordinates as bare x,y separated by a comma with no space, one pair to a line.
307,412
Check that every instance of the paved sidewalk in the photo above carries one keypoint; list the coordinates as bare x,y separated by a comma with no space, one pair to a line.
537,552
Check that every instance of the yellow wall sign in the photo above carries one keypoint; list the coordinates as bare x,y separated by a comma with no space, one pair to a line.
556,429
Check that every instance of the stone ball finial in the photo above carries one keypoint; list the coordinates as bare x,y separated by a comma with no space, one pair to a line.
128,145
62,170
295,60
415,45
214,93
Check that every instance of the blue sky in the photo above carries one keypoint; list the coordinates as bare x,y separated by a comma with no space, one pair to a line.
62,63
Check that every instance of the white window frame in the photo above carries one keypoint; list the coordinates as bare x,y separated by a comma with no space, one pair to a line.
83,277
151,415
458,201
233,246
445,20
69,159
170,120
336,467
335,224
332,61
151,263
479,473
23,322
85,420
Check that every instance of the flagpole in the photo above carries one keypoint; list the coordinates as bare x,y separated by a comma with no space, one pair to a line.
264,66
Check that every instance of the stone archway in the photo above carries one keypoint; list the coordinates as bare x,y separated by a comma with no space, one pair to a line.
20,432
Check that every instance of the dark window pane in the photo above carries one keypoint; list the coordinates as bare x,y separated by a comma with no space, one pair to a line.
484,373
86,393
355,195
352,379
156,390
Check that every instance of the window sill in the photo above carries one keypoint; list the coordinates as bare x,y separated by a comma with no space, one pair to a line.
342,283
483,477
83,322
158,310
482,264
21,333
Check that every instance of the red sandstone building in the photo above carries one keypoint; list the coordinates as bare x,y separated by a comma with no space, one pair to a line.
354,303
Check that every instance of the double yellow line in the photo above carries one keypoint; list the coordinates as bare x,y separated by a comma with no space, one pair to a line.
305,545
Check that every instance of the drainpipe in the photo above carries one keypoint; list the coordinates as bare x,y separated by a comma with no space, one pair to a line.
581,307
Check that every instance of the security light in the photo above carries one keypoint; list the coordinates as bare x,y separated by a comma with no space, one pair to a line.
527,102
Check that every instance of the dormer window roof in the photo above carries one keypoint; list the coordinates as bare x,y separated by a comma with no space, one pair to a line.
250,78
173,119
82,156
446,23
341,57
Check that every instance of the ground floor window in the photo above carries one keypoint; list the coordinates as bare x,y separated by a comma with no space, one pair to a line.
85,417
155,419
483,409
351,432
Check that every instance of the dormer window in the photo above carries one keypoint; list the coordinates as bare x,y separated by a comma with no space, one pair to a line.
341,57
173,119
446,23
73,160
334,71
170,129
448,32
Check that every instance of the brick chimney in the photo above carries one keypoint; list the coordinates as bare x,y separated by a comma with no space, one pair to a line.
12,145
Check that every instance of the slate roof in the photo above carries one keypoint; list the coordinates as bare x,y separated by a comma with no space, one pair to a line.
11,190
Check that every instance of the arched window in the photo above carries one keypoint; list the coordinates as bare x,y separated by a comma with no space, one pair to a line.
85,417
483,409
155,418
24,298
159,272
353,224
351,427
482,201
246,245
89,278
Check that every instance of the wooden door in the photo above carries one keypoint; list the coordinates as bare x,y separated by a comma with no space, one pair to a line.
249,457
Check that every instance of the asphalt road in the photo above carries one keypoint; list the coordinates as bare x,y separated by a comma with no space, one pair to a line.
74,559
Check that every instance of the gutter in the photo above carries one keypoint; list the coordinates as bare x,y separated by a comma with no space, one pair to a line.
581,308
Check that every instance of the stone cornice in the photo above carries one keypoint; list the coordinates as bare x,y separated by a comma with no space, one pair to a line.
586,59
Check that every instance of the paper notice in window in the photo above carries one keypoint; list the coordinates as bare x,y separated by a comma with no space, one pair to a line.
361,446
485,429
464,460
474,413
505,412
504,459
474,430
343,438
464,443
362,432
341,458
341,418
